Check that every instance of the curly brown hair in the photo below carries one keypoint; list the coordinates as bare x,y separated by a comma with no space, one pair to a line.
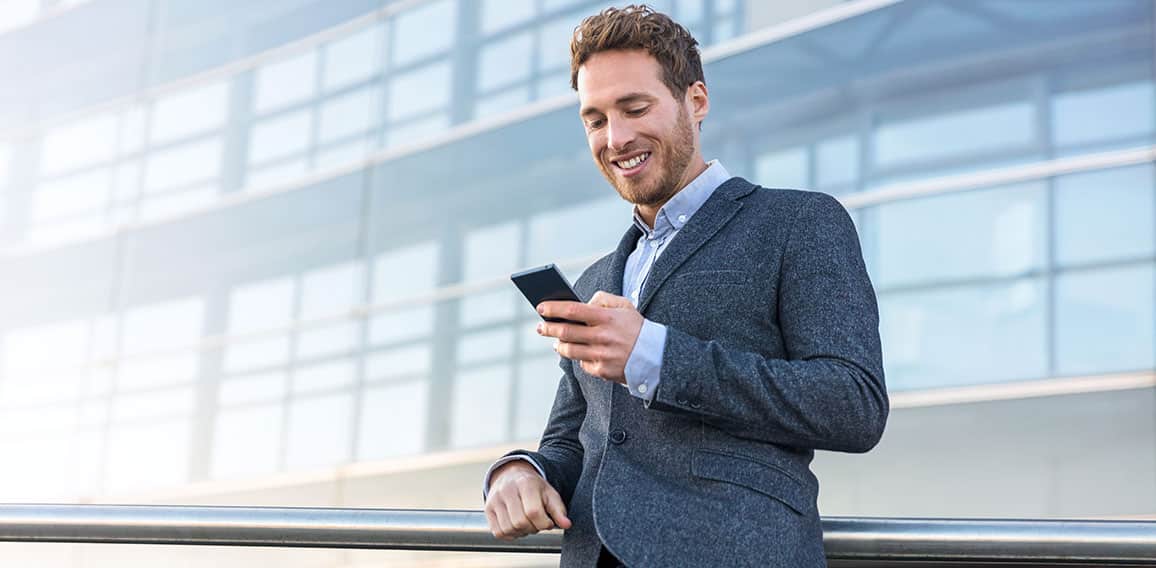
638,26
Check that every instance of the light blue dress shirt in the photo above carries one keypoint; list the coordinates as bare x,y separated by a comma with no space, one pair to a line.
644,365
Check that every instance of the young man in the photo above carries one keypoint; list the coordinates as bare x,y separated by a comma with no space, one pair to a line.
733,332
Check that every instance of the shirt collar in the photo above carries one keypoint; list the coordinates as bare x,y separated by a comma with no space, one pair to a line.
676,212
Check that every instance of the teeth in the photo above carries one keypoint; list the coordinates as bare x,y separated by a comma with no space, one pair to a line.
634,161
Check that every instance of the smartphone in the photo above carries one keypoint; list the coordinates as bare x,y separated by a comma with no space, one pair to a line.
545,283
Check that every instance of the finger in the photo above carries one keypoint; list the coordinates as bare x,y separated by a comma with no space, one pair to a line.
497,509
556,508
577,351
573,311
492,520
535,512
519,524
608,300
569,332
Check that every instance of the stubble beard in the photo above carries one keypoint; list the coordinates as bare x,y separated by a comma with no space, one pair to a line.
674,163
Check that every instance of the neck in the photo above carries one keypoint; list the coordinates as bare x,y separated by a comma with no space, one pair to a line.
649,212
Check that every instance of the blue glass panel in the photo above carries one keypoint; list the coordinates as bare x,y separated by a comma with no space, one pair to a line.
955,133
424,30
1103,114
1105,215
999,231
964,335
1105,320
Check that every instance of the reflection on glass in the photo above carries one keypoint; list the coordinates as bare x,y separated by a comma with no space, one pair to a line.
488,307
481,403
252,388
331,290
354,58
349,114
964,335
82,143
327,340
279,174
190,112
281,136
74,194
424,30
402,324
836,162
999,231
183,165
323,377
554,41
1105,320
501,14
419,91
492,252
285,82
784,168
393,420
504,62
1105,215
501,102
973,131
319,431
537,383
552,237
418,263
153,404
144,456
415,360
416,131
485,346
246,441
1102,114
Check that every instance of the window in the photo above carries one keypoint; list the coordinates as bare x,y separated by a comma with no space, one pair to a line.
1105,215
1105,320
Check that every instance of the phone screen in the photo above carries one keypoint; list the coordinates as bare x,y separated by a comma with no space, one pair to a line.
542,284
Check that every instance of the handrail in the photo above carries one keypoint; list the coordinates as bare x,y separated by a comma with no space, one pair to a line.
848,541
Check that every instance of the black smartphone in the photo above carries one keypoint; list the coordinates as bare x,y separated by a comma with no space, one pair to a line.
545,283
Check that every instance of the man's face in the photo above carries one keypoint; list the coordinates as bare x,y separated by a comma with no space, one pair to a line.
641,137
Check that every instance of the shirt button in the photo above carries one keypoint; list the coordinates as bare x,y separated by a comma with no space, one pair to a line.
642,388
682,218
618,436
634,294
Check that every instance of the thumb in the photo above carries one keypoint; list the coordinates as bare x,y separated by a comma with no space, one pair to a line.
556,509
608,300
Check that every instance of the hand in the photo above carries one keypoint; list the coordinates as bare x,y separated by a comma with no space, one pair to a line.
521,503
604,344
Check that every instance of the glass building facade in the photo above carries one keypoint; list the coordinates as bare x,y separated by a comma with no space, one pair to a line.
243,241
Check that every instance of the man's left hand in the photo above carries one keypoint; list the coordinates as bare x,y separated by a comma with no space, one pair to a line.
604,344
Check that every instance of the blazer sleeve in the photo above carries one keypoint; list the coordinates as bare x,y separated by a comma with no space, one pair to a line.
560,451
829,392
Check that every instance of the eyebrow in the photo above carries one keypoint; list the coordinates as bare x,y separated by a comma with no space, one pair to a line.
623,100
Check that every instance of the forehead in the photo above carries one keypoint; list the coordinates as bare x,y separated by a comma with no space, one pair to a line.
607,75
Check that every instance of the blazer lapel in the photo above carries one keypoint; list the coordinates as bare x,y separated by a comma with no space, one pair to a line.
711,217
612,278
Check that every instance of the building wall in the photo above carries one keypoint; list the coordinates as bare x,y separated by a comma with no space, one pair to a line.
258,254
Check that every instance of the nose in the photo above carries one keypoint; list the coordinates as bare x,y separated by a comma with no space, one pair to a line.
619,135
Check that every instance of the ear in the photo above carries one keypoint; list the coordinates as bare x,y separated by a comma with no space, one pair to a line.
698,101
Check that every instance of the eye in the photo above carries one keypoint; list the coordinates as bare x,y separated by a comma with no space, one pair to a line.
637,111
594,124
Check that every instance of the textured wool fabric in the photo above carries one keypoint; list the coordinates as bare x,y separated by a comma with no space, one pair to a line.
772,352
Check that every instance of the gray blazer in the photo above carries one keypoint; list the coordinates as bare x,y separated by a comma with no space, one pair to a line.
772,352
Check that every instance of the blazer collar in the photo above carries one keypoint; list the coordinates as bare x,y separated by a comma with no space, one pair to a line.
712,216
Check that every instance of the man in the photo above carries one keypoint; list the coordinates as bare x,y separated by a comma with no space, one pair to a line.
732,333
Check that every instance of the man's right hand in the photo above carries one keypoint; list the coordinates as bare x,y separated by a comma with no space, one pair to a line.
521,503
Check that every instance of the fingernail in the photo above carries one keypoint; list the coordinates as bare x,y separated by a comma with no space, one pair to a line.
539,329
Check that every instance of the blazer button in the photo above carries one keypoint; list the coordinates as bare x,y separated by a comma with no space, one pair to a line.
618,436
695,405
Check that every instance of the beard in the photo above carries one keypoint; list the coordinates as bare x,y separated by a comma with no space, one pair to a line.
659,186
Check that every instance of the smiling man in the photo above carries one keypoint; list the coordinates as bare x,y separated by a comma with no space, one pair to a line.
732,333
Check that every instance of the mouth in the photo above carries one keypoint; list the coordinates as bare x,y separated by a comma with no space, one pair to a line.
632,166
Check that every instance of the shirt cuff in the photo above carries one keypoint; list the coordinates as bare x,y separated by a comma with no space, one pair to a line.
504,461
644,365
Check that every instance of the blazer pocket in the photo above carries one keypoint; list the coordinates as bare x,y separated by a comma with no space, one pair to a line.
760,477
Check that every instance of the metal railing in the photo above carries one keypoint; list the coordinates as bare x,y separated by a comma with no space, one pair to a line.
850,542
